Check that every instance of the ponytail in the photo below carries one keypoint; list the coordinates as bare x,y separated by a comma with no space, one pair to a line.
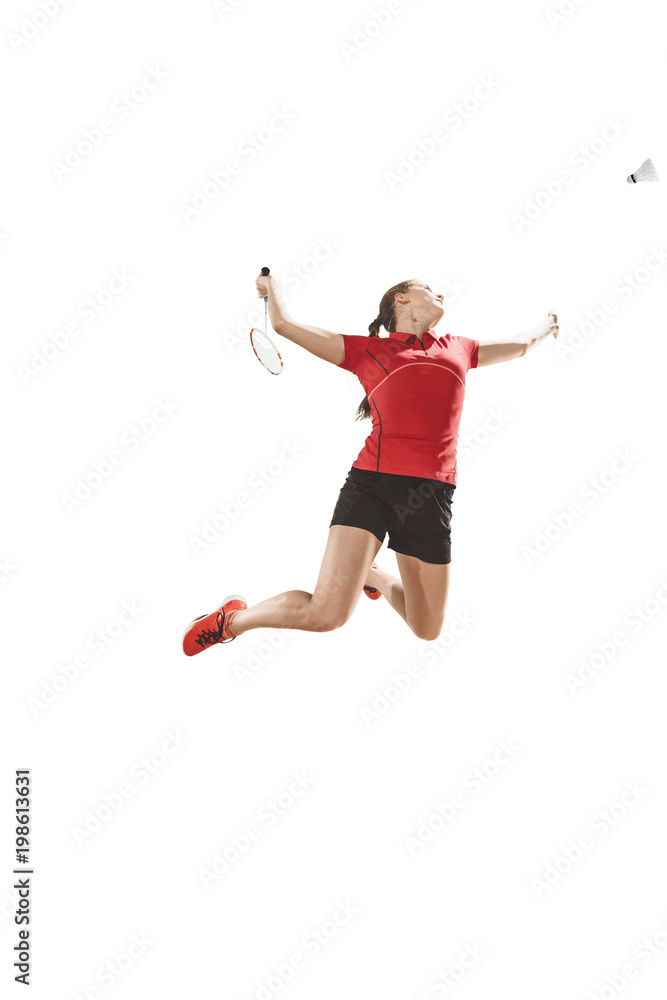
374,327
385,318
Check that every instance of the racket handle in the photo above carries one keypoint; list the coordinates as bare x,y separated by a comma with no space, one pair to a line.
265,271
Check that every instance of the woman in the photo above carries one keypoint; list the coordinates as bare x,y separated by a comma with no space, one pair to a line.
403,480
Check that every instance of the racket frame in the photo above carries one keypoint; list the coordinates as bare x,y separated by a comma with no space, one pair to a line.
266,337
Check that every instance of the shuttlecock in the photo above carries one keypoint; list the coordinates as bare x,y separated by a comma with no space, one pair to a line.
646,172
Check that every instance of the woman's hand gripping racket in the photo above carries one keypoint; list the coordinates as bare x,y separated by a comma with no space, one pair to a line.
265,350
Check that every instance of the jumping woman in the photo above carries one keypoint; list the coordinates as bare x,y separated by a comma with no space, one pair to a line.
401,483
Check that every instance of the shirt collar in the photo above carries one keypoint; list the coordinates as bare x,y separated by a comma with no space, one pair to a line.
409,338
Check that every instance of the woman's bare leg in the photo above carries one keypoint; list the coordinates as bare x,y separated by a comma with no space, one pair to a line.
427,586
391,587
348,554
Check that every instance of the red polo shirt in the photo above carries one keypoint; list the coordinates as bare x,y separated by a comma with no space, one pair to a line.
415,390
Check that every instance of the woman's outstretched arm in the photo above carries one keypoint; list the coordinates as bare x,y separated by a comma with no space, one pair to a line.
322,343
505,350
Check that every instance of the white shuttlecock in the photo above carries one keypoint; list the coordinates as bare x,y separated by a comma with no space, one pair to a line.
646,172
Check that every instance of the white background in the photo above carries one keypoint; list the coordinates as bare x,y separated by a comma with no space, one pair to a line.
360,98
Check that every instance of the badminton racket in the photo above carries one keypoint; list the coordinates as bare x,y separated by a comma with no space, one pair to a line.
265,350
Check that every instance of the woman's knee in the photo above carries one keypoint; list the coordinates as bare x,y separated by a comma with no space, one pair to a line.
425,631
326,617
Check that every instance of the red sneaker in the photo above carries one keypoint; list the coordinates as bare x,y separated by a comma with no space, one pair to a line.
372,592
207,630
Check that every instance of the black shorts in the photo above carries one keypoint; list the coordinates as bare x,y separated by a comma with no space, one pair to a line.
416,512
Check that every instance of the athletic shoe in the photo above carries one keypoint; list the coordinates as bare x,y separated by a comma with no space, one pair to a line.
207,630
372,592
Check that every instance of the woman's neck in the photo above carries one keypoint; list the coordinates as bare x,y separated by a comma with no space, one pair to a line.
410,324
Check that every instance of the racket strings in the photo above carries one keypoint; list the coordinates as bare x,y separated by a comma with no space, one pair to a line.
265,350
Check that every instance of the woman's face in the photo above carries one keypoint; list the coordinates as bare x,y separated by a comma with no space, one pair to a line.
423,302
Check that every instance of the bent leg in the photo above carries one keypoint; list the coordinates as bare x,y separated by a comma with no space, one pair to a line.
425,590
390,586
348,554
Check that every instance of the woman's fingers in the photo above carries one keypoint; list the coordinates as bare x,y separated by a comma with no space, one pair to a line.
553,326
262,285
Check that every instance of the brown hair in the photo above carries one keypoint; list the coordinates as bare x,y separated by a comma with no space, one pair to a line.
386,317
